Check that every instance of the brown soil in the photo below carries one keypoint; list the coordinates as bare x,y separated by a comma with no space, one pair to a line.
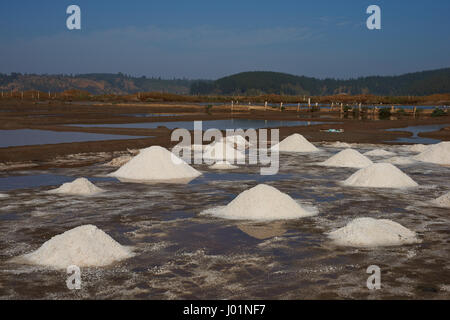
45,116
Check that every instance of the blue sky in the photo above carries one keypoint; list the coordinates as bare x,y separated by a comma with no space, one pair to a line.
211,39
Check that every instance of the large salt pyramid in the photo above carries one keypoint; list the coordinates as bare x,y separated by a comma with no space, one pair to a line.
156,164
295,143
380,175
369,232
437,153
84,246
221,151
262,202
78,187
348,158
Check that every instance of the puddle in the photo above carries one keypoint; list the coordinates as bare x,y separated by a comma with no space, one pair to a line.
27,137
415,130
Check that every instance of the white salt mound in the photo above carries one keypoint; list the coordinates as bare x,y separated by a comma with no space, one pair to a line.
78,187
339,144
3,195
155,164
437,153
262,202
223,165
416,148
236,140
400,160
295,143
369,232
118,162
222,152
442,201
348,158
84,246
379,153
380,175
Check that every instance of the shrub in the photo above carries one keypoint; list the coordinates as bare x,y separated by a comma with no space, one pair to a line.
384,113
437,112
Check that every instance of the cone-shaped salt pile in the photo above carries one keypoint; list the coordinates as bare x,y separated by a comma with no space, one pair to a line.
348,158
223,165
84,246
222,152
236,140
379,153
369,232
118,162
437,153
442,201
380,175
156,164
262,202
296,143
79,187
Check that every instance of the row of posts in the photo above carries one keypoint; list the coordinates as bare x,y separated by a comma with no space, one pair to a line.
38,94
341,107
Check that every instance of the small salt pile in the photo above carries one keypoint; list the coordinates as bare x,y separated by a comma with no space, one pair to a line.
3,195
380,175
415,148
400,160
339,144
78,187
369,232
118,162
295,143
348,158
235,140
437,153
156,164
442,201
223,165
84,246
379,153
221,151
262,202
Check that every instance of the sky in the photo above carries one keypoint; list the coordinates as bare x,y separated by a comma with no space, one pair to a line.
201,39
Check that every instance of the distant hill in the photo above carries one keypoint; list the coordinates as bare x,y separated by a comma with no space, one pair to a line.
246,83
258,83
95,83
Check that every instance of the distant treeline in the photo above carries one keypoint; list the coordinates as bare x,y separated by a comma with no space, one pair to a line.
95,83
261,83
250,84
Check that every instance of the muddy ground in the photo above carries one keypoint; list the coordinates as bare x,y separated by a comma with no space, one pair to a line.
56,115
